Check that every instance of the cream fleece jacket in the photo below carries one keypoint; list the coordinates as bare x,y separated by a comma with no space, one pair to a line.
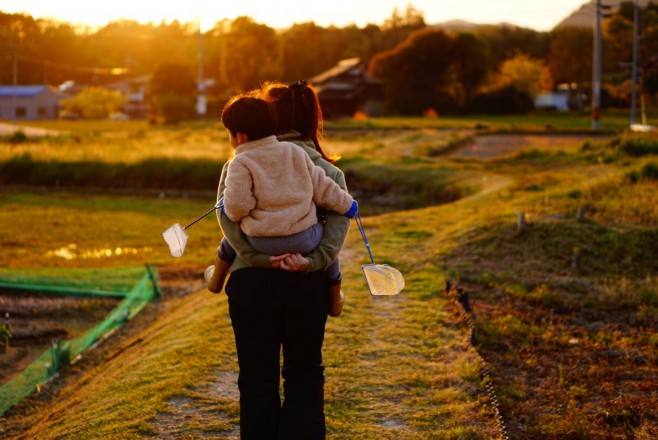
336,226
272,188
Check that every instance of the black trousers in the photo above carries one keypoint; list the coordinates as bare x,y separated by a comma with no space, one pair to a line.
270,310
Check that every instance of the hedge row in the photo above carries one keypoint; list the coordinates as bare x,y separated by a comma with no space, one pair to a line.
158,173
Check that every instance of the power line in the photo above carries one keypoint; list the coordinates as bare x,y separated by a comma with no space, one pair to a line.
83,69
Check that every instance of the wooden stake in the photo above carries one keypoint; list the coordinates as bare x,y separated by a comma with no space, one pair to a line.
520,224
576,264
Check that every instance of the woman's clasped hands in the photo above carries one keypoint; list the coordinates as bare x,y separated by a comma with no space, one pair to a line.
290,262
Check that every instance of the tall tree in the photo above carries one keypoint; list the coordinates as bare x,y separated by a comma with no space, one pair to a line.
473,60
505,41
304,52
252,55
173,79
571,55
419,73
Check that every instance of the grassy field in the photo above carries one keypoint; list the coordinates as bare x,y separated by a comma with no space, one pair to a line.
572,348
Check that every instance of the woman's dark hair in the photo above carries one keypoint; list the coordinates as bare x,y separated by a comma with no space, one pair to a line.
249,115
297,107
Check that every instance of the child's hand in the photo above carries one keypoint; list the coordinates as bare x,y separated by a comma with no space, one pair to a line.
277,260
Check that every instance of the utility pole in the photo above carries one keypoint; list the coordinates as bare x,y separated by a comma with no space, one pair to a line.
596,82
14,81
201,97
634,69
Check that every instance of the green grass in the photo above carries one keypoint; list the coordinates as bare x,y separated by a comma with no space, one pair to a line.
88,126
133,143
96,226
122,396
386,357
612,120
572,351
183,159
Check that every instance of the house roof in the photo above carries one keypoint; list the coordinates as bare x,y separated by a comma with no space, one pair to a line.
340,68
23,91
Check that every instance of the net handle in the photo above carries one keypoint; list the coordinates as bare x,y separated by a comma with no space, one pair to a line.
218,205
362,230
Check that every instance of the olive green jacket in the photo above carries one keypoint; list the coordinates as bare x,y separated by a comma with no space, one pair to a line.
335,228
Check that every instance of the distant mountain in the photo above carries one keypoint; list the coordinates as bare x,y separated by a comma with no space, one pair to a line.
456,25
584,17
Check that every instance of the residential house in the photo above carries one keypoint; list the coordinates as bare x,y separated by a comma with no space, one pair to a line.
134,90
347,88
565,97
29,102
553,100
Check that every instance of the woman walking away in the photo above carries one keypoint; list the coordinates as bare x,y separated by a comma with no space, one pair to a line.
283,309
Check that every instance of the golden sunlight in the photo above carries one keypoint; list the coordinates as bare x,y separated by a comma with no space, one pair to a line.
541,15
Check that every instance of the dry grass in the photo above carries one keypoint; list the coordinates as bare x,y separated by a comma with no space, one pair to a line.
390,361
125,146
573,352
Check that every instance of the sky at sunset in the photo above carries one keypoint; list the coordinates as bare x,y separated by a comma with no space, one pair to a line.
541,15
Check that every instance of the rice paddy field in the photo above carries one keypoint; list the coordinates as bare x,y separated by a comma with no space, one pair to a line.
549,230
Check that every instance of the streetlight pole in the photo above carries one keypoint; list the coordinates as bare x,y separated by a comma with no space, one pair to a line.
596,82
634,69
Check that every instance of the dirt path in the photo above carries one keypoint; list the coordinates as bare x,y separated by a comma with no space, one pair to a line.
497,145
9,129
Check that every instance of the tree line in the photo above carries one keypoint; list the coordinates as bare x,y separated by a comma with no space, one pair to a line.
483,68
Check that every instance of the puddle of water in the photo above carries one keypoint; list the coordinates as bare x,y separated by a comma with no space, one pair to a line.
72,252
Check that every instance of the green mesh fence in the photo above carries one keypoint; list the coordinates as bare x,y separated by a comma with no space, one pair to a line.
114,282
62,352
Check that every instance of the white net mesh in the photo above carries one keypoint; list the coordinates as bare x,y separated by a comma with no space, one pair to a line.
176,238
383,279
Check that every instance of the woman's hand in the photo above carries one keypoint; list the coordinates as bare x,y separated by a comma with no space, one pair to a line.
290,262
277,260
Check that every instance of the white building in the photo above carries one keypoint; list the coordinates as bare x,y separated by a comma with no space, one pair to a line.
29,102
555,100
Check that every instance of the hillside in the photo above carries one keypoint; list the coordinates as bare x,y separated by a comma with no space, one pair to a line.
584,16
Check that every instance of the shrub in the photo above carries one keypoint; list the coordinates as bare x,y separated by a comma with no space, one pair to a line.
648,172
504,101
93,103
637,146
175,108
179,174
17,137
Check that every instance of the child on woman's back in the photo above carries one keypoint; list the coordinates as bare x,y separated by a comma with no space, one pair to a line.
272,189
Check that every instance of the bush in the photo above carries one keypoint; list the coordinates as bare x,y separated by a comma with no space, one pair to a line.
504,101
648,172
637,146
175,108
17,137
155,173
93,103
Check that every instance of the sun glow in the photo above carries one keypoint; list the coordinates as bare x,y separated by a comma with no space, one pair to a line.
540,14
